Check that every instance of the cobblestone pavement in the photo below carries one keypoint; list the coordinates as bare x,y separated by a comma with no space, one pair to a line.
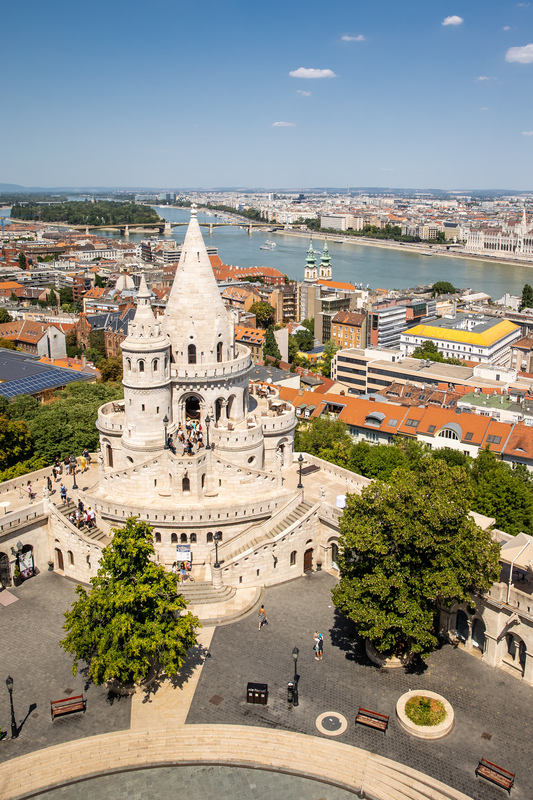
485,699
30,631
198,783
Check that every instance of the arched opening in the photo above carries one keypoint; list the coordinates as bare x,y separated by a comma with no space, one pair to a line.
308,560
185,484
141,366
128,364
478,634
157,537
219,352
293,558
231,404
209,538
334,555
203,480
219,534
191,354
70,556
193,538
155,365
109,455
461,625
218,409
192,407
5,571
59,559
174,538
183,538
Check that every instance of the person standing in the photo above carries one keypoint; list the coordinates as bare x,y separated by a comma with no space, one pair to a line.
83,463
263,620
63,492
318,645
49,483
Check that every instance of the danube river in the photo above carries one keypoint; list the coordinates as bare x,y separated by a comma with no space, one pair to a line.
353,263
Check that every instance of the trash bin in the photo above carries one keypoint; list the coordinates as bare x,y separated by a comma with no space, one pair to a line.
290,691
257,693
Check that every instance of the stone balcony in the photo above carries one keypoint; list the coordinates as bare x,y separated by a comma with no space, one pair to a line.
111,417
267,415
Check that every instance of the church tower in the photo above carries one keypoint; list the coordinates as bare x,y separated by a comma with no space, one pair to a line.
147,389
311,273
325,264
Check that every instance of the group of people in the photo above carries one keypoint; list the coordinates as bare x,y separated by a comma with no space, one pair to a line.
81,516
191,439
183,570
318,639
69,465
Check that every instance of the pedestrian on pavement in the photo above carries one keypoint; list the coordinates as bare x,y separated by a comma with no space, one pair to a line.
262,617
29,490
49,483
83,463
318,645
63,493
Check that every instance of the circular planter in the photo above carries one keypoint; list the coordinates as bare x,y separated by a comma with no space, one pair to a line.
425,731
391,662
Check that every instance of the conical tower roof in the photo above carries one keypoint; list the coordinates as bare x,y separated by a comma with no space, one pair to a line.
311,258
326,258
195,313
144,328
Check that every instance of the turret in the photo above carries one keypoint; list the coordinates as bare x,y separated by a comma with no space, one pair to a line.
311,273
325,264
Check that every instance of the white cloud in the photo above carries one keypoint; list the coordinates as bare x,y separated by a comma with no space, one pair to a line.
307,72
359,38
486,78
283,125
524,55
453,20
506,28
527,133
304,94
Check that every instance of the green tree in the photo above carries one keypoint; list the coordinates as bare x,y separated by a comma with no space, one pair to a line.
441,236
304,340
326,438
443,287
7,344
130,621
13,298
99,281
52,298
15,442
264,314
270,346
502,494
5,316
430,350
23,262
330,348
310,325
527,296
96,342
65,296
110,368
407,547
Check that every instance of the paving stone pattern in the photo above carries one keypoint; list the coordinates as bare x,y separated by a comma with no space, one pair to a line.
30,631
485,699
198,783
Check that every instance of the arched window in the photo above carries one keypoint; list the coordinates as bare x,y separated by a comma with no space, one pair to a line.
141,366
186,484
203,480
174,538
155,365
219,351
157,537
219,534
128,364
193,538
293,558
183,537
70,557
109,454
191,352
209,538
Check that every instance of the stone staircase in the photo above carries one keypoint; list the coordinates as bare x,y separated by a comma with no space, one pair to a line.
97,534
270,533
203,592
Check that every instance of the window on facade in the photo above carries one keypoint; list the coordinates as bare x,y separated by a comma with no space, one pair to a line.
431,428
494,439
293,558
183,537
412,423
209,538
141,366
186,484
219,351
191,352
468,437
448,434
70,557
193,538
128,364
155,364
174,538
157,537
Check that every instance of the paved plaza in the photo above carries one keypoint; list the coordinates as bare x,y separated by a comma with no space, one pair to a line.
494,711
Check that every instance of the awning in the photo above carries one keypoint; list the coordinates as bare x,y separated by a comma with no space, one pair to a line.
519,552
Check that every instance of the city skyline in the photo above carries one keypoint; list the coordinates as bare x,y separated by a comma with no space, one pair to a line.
386,96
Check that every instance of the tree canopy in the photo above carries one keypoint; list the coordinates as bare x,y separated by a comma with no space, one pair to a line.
76,212
527,296
430,351
131,620
111,368
406,547
264,313
270,346
443,287
5,316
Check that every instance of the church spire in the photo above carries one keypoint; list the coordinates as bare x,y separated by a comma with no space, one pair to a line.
310,264
325,263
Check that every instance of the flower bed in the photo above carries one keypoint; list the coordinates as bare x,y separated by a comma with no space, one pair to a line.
425,710
425,714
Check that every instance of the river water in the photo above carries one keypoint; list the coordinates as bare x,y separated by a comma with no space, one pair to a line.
378,267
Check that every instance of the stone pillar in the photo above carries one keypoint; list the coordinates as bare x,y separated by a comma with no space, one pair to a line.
167,228
250,230
491,652
217,577
468,643
223,411
528,668
210,229
127,230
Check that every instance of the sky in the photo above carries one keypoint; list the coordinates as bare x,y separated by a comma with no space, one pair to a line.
292,94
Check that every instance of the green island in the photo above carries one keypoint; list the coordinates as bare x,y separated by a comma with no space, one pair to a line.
425,710
103,212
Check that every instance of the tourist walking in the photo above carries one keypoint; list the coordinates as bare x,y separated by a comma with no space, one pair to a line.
263,620
49,483
63,492
318,647
29,491
83,463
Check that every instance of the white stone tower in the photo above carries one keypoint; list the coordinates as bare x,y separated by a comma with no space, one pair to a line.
325,264
311,272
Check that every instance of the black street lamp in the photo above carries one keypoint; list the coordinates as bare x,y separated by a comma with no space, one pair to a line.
217,537
208,446
74,484
14,730
300,464
295,653
165,423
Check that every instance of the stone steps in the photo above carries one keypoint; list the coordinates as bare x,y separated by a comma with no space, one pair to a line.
285,523
202,593
96,534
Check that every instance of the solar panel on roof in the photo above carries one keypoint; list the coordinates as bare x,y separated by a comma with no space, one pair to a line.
36,383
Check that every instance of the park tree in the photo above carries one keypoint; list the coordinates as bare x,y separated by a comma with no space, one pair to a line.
96,341
15,442
131,620
264,313
430,351
310,325
326,438
330,348
110,368
527,296
443,287
7,344
502,494
65,296
14,298
407,547
270,346
5,316
304,339
52,298
23,261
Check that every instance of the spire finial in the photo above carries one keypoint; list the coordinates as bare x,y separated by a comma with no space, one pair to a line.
194,210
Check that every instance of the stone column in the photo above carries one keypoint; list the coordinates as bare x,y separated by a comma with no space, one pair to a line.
528,668
217,577
491,653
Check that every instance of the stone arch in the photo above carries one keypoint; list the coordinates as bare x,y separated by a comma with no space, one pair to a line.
193,404
219,405
60,564
128,364
5,570
462,629
70,556
191,354
478,634
185,484
183,538
292,560
219,352
141,365
157,537
192,538
173,538
209,538
155,365
231,406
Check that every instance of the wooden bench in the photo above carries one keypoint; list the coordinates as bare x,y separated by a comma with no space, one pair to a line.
68,705
372,719
498,775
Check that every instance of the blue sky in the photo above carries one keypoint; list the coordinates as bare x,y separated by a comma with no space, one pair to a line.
175,94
